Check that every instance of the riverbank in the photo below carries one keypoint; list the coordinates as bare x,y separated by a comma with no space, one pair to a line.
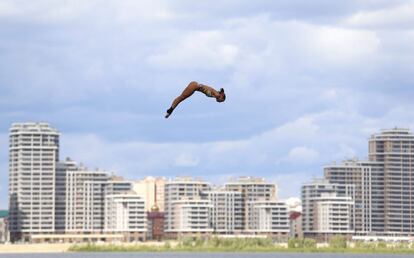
120,248
245,245
34,248
214,245
67,247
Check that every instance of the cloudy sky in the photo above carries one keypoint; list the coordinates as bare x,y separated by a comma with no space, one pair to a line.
307,83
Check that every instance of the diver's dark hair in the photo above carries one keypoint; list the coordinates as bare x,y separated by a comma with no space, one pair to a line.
222,92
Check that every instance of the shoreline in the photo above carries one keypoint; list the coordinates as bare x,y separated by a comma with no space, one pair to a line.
232,249
34,248
62,247
163,247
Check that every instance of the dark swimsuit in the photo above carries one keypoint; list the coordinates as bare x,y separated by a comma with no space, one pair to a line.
204,90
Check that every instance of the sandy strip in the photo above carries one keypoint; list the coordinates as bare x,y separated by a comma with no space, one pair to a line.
34,248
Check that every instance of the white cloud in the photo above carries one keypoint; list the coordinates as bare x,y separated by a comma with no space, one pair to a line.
289,143
399,17
330,94
130,11
289,184
302,154
8,9
58,11
285,143
197,50
342,46
44,10
186,160
299,129
256,44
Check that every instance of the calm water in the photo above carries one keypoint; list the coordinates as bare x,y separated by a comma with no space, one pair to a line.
195,255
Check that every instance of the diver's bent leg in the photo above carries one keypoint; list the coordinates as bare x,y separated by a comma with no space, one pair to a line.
177,101
187,92
190,89
174,105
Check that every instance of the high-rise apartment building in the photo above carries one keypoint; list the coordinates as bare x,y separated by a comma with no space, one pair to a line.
152,190
192,207
328,209
368,181
226,214
125,213
54,200
85,200
60,193
191,216
33,157
252,189
270,218
116,185
395,150
384,185
334,214
177,193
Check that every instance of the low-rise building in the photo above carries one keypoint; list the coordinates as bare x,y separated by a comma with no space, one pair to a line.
295,219
4,233
155,224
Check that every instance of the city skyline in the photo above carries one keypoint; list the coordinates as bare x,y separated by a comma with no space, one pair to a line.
367,197
50,196
306,82
222,180
60,200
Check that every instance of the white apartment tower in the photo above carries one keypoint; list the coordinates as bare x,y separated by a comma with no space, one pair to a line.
178,193
226,214
327,209
252,189
125,213
368,182
270,218
60,193
33,157
117,184
152,190
384,185
395,150
333,214
85,200
48,198
191,216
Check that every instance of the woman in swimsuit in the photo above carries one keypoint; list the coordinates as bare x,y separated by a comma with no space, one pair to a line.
191,88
